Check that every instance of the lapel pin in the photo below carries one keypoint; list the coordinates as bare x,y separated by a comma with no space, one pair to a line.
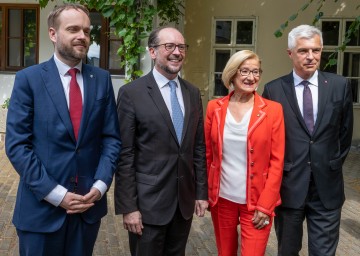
325,81
91,76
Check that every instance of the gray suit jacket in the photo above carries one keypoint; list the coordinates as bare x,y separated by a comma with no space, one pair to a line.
321,153
155,174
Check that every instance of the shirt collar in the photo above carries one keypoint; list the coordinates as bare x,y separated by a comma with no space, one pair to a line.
313,80
161,80
64,68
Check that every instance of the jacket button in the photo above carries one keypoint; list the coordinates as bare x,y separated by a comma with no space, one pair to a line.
252,163
311,142
251,150
251,176
258,115
309,163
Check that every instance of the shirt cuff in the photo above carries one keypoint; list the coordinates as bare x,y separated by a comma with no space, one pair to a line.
56,195
101,186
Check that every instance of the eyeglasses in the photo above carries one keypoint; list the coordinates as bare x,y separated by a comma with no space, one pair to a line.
170,47
246,72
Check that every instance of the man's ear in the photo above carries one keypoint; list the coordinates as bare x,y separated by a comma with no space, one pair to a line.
289,52
52,34
152,53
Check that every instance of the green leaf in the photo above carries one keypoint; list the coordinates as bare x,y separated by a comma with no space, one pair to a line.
304,7
278,33
293,17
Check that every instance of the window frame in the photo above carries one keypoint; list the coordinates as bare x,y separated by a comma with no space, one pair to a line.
105,39
4,37
232,46
341,54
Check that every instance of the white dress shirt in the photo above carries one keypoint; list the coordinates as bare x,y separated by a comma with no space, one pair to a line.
162,82
314,88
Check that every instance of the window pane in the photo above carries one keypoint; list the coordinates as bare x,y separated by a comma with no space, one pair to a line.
223,32
220,89
221,58
330,31
355,39
244,32
93,56
114,58
351,66
30,37
355,84
14,25
325,60
14,53
29,52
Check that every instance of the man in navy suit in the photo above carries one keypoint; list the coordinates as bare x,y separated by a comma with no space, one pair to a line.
63,139
161,177
318,116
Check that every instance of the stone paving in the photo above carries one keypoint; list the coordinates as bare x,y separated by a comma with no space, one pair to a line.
112,239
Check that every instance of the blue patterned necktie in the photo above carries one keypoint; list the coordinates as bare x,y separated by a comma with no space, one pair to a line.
308,106
177,115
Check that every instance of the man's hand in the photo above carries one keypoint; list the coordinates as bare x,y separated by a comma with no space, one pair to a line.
133,223
92,196
200,207
74,203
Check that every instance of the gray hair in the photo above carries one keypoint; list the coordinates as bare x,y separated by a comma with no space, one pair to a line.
303,31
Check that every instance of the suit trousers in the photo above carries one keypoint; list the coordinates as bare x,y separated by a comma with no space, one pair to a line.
323,227
74,238
226,217
164,240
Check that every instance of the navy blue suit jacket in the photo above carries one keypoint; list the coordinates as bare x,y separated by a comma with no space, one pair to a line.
41,145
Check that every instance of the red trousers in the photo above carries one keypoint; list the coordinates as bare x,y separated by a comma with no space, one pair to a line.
226,217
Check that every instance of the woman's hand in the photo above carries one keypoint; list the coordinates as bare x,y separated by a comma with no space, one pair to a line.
260,219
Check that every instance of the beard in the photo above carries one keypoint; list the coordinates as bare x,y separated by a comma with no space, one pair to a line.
69,53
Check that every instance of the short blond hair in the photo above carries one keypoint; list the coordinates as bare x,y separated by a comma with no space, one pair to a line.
234,63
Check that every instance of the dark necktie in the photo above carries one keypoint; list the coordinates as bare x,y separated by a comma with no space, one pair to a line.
177,115
308,107
75,102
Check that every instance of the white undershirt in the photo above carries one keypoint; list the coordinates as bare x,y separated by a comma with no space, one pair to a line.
234,163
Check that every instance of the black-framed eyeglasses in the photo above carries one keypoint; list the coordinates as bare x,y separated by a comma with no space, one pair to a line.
170,47
246,72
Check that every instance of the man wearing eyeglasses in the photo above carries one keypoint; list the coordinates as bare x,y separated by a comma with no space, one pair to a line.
161,176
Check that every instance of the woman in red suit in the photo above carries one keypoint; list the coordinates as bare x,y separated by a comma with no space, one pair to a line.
245,143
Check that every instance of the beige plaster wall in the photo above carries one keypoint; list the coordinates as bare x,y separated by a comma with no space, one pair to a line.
272,50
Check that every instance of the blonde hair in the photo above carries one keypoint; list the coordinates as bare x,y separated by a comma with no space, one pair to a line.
234,63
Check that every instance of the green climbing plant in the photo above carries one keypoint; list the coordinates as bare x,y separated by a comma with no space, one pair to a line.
353,29
133,20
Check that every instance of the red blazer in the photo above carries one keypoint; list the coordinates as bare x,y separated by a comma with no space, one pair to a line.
265,152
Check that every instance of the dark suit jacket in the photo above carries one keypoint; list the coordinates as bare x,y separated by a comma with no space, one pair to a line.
155,174
41,145
321,153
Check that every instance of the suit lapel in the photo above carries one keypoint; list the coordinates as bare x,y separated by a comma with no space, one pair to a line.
289,89
323,90
89,97
159,102
55,89
186,98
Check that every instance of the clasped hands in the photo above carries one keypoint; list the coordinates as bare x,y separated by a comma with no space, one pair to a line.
75,203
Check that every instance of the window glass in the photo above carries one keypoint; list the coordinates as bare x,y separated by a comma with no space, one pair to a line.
325,60
14,18
93,56
221,58
223,32
355,39
114,58
330,31
14,53
244,32
30,37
